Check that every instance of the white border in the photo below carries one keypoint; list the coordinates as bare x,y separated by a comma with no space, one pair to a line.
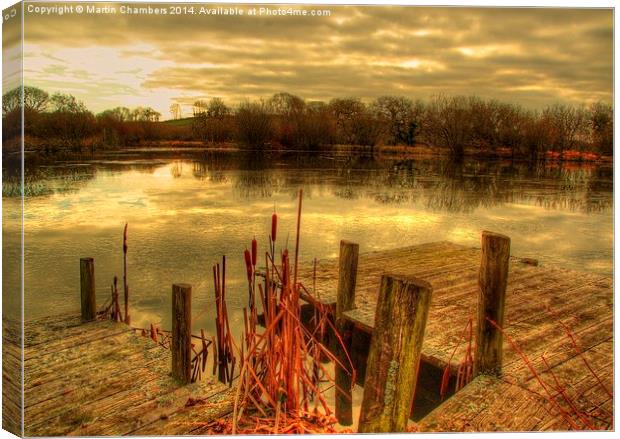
484,3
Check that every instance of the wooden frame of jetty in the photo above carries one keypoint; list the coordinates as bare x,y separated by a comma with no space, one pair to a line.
544,359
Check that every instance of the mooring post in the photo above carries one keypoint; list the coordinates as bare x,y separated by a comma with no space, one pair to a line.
492,282
345,301
394,356
87,289
181,332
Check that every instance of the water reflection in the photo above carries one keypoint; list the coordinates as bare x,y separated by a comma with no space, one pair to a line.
187,209
442,185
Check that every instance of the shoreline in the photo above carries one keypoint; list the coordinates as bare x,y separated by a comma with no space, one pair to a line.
418,151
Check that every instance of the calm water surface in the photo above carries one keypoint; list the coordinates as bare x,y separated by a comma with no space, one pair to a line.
187,210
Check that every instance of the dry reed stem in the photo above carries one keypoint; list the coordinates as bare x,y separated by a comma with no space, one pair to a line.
549,397
571,337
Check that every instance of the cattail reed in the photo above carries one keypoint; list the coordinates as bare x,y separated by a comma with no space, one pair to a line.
274,226
280,371
248,264
254,252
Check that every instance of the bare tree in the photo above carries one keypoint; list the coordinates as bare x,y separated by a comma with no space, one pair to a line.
217,109
175,111
216,121
35,100
254,124
537,135
567,124
448,123
355,123
601,121
286,104
401,116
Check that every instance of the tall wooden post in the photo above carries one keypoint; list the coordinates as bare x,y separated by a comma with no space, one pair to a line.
394,357
492,282
181,332
345,301
87,289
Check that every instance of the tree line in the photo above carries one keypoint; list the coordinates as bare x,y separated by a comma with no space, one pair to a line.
287,121
60,120
452,122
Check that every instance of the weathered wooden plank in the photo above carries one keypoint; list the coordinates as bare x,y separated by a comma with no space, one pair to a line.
83,380
194,420
78,380
80,401
55,366
42,383
161,406
107,329
584,297
486,404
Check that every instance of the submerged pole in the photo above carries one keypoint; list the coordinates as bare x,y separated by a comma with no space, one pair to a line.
345,301
394,356
87,289
492,283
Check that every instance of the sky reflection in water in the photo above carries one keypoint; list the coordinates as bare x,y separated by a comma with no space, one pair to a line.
185,214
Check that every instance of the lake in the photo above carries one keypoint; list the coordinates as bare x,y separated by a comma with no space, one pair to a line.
185,209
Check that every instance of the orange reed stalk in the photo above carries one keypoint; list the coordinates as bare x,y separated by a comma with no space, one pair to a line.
549,397
571,337
562,391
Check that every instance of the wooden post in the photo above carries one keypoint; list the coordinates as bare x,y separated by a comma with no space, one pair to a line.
125,286
181,332
492,282
87,289
345,301
394,356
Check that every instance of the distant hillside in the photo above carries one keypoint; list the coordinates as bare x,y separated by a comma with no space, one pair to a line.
186,121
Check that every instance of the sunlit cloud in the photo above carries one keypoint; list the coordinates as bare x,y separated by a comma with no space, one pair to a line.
490,50
534,57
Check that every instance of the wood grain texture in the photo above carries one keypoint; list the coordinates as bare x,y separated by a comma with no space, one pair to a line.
581,300
347,278
100,378
181,343
12,389
394,357
492,283
87,289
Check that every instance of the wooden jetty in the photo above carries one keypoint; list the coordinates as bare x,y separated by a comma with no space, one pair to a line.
101,378
541,301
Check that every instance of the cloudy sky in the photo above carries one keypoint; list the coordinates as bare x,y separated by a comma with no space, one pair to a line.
530,56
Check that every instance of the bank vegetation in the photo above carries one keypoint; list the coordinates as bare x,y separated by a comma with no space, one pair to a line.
452,124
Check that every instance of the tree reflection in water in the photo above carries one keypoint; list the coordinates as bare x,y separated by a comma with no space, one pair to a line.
438,184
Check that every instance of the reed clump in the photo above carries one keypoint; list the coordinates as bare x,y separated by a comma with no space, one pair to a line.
283,381
282,384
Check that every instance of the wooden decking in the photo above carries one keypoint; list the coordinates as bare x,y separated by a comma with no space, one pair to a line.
538,298
100,378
